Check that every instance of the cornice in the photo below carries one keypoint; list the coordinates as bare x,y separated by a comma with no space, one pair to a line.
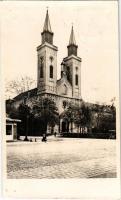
47,45
60,96
73,57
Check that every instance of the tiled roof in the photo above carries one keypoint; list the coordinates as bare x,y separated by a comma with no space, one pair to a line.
29,93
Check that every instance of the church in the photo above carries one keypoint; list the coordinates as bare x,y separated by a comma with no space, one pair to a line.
68,87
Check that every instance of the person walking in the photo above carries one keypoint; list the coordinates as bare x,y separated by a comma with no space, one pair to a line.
55,133
44,139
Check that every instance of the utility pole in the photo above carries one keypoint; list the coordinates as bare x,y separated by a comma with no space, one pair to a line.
27,119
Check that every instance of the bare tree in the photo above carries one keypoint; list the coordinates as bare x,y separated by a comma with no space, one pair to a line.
17,86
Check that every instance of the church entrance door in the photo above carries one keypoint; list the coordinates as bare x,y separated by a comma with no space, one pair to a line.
65,126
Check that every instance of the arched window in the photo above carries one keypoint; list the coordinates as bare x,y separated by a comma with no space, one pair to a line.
51,71
41,70
76,79
41,67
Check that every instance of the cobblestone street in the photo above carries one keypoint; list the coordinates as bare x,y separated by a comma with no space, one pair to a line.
62,158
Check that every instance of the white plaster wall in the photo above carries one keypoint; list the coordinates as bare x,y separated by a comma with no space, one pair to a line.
61,88
47,83
73,63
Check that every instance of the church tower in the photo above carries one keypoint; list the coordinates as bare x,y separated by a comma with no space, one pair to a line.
73,66
47,61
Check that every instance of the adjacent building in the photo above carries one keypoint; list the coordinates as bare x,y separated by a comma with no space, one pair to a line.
11,129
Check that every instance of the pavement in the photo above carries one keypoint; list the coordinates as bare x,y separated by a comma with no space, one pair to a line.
62,158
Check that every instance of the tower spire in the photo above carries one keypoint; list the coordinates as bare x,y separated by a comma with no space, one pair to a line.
72,47
47,26
47,34
72,37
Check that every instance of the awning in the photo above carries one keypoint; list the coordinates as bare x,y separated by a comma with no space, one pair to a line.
12,120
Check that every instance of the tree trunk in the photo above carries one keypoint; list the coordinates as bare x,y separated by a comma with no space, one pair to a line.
45,128
71,127
80,129
44,139
27,128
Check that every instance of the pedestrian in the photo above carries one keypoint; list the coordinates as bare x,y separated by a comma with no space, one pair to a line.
55,133
44,139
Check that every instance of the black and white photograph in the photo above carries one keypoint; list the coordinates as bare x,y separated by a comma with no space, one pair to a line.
60,66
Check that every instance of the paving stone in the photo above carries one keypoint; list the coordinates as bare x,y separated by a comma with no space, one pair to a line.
62,158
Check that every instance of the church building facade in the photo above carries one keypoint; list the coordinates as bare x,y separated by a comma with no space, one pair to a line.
68,87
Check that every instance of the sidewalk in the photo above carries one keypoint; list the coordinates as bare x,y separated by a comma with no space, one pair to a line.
39,139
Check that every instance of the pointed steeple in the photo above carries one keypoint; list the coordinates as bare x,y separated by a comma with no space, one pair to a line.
47,26
72,47
47,34
72,37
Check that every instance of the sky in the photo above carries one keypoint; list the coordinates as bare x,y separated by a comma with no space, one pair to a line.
96,32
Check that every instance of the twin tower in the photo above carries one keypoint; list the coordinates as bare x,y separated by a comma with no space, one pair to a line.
47,66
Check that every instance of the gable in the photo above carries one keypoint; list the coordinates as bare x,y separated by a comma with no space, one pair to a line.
64,88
